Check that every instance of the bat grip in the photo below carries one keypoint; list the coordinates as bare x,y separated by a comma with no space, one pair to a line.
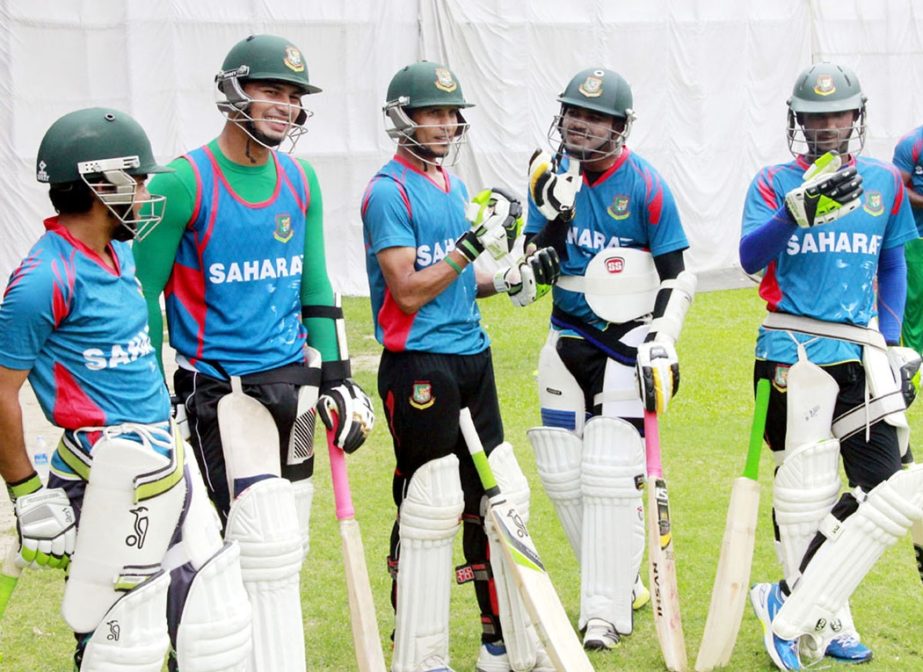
652,444
341,493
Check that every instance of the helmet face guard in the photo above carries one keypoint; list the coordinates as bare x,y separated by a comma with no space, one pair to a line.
805,142
118,191
403,130
826,88
605,146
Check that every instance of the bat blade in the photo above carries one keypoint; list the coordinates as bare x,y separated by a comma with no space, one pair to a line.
538,593
732,578
661,558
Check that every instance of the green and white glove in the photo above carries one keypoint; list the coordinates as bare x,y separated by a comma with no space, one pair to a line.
496,218
530,278
827,193
46,523
553,193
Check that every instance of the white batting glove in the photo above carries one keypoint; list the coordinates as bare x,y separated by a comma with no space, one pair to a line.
553,193
905,365
531,278
495,217
346,409
827,193
47,528
658,374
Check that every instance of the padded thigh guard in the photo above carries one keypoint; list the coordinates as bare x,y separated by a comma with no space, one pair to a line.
214,633
263,521
851,549
806,487
561,399
120,541
518,632
613,520
429,518
558,456
132,636
303,492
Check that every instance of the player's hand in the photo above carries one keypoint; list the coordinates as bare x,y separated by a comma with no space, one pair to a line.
827,193
658,374
496,217
47,526
343,407
905,364
531,278
553,193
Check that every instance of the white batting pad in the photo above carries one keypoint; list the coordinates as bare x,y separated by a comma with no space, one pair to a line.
429,518
214,633
558,456
810,402
249,436
264,523
612,471
133,633
303,491
120,543
852,548
806,487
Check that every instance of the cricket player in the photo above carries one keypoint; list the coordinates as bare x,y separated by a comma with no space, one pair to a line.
618,309
436,360
150,571
826,229
239,258
908,157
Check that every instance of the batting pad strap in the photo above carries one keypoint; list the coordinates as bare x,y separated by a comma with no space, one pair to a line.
857,419
330,312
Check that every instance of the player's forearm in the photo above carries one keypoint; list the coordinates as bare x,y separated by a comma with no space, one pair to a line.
14,460
761,245
414,289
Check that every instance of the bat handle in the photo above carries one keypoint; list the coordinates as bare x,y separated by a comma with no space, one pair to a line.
341,493
652,444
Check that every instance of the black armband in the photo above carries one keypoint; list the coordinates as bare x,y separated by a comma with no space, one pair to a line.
335,370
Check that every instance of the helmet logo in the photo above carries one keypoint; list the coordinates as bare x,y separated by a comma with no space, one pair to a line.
615,265
824,85
445,81
873,203
293,60
619,209
42,175
592,86
284,231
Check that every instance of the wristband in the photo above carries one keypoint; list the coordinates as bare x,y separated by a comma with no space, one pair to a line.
26,486
453,265
469,246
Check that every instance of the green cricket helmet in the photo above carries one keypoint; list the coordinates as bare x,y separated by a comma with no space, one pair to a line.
417,86
262,58
825,88
602,91
106,150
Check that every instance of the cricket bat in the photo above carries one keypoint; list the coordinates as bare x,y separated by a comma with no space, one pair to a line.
660,555
525,565
366,638
732,578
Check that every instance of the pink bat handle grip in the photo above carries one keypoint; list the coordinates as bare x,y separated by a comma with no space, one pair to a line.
652,444
341,493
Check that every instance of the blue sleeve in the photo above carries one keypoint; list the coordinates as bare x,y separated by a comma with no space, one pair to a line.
901,225
892,292
386,216
762,244
664,228
903,154
36,300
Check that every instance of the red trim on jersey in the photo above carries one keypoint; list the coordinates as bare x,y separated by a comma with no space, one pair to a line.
400,188
769,288
389,415
303,203
198,191
655,204
72,407
52,225
898,192
619,162
395,324
216,170
187,285
26,266
765,188
64,277
445,187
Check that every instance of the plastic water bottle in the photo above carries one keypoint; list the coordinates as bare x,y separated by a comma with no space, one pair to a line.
41,460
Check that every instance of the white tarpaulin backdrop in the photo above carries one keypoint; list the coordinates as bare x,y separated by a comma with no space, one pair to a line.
710,79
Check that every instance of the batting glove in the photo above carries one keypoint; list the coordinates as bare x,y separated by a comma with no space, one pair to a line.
905,364
346,410
658,374
828,192
553,193
531,278
46,524
496,217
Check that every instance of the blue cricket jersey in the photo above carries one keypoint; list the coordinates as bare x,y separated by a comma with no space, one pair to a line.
403,207
828,271
80,328
908,157
237,260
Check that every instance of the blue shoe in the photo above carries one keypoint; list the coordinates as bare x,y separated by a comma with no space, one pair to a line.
848,649
766,599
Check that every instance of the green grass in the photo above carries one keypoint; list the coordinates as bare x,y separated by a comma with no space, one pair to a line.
704,437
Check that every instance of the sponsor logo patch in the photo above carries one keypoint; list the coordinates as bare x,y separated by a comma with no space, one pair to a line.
42,175
615,265
592,86
619,208
283,231
445,81
422,397
824,85
293,60
873,203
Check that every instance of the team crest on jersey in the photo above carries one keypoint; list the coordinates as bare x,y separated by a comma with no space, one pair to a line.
873,203
445,81
592,86
422,396
42,175
619,209
824,85
293,60
284,231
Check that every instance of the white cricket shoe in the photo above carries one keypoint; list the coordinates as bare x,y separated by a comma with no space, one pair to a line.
600,635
